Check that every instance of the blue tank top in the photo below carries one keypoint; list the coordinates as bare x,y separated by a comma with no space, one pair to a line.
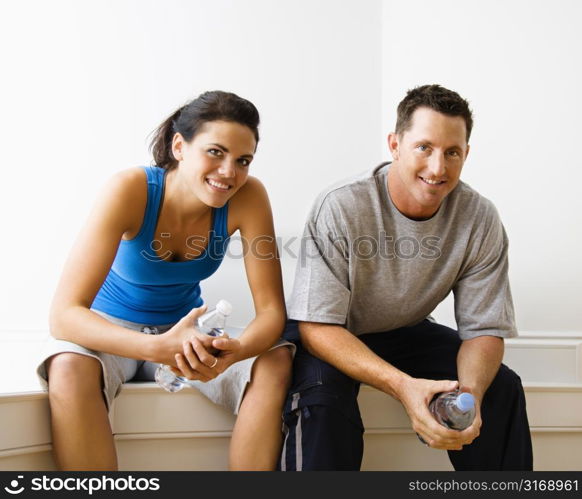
143,288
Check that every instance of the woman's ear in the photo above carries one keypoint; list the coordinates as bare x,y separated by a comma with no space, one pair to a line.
177,147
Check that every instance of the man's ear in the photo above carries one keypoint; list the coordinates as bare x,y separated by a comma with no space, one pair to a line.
467,152
393,145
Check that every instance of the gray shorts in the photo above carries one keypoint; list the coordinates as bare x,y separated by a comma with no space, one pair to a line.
226,389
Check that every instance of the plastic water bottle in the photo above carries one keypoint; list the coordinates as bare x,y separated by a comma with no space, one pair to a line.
454,410
211,323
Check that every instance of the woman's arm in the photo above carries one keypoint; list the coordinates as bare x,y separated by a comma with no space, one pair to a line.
119,209
251,214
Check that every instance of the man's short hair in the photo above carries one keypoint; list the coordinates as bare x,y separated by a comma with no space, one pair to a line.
435,97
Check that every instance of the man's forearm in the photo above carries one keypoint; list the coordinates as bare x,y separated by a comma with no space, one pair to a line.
340,348
478,361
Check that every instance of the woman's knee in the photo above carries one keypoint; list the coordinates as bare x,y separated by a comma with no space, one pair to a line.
274,368
71,373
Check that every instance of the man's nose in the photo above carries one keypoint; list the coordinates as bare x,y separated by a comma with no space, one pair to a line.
437,164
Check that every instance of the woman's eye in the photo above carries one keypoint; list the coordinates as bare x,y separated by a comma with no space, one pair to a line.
244,162
215,152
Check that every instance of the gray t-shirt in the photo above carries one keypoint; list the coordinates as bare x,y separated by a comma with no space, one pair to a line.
367,267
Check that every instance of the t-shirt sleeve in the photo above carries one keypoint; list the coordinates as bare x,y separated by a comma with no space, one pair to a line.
321,288
483,302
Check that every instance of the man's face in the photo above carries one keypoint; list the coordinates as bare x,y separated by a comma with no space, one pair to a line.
428,158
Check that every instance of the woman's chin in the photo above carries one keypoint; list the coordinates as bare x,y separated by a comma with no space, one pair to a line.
213,202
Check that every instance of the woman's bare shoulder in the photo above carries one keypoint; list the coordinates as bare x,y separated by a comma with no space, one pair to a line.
253,190
250,202
129,178
127,191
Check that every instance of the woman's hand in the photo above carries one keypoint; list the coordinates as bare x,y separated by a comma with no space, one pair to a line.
172,342
192,354
205,357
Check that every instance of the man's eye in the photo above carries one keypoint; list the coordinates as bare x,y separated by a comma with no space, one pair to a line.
422,147
454,153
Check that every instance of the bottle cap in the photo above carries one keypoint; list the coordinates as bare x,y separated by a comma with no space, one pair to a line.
224,307
465,402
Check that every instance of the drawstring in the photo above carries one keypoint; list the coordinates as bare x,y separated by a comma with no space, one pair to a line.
150,330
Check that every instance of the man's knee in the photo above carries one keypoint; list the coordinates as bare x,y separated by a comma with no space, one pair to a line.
322,419
309,371
321,437
506,382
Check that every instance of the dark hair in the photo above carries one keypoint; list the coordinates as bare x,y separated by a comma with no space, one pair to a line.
188,120
434,97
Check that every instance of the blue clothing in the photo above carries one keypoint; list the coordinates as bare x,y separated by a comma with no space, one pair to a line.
142,287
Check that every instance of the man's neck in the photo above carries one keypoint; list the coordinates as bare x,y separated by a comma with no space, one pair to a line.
403,200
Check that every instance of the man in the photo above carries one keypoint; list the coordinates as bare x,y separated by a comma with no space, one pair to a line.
380,252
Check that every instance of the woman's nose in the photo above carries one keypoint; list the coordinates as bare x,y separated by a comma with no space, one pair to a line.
227,168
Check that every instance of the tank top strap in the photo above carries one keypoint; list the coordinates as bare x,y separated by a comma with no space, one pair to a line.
155,179
220,222
220,238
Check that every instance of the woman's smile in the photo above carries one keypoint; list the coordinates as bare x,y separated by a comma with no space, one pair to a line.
215,185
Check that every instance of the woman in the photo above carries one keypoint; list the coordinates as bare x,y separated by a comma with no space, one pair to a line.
153,235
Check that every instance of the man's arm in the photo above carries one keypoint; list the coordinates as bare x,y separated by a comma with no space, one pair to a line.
337,346
478,361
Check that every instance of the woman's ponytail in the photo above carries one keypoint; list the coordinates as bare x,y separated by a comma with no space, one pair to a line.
161,144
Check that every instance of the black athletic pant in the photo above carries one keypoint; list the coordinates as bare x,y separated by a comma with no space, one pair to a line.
324,429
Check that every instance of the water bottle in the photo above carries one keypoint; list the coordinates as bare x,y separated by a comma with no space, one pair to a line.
211,323
454,410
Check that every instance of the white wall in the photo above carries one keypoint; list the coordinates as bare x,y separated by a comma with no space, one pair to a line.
85,83
518,63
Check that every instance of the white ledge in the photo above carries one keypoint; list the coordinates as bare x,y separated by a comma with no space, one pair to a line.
185,431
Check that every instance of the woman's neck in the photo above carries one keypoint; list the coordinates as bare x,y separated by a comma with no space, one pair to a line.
180,202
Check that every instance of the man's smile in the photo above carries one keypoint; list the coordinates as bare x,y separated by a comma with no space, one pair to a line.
432,182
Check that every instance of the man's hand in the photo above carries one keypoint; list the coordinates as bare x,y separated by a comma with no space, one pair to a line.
472,432
415,396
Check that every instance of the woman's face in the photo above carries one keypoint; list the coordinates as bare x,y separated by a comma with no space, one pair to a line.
215,163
